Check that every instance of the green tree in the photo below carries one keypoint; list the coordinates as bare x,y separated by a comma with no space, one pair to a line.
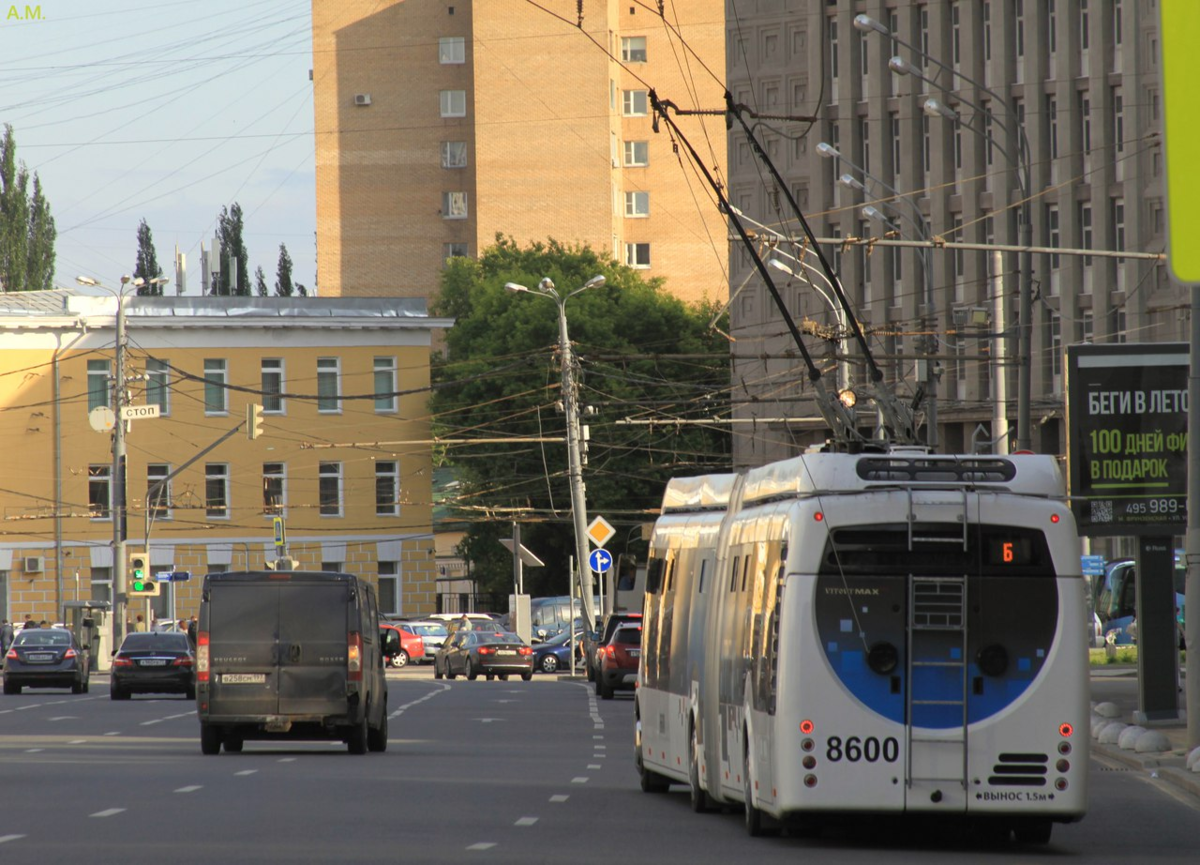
641,352
283,273
27,231
233,253
260,281
147,261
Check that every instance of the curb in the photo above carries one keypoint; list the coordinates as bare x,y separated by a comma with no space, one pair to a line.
1169,766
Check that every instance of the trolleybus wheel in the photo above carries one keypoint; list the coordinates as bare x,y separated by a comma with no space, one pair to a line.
754,817
1033,832
699,798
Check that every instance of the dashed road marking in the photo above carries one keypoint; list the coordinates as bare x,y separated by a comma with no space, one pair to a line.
483,845
4,839
559,797
593,765
579,780
77,742
113,733
189,789
526,821
287,759
108,812
34,750
245,772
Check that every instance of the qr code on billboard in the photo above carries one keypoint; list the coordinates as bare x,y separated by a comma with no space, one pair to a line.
1102,511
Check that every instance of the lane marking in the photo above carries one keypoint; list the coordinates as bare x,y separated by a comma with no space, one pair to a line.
580,780
599,747
77,742
559,797
593,765
526,821
287,759
245,772
107,813
4,839
400,709
64,718
483,845
34,750
192,789
113,733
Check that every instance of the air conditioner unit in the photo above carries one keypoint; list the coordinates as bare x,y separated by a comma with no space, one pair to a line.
362,99
34,564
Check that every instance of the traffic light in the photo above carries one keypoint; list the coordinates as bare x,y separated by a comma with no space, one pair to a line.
141,582
254,421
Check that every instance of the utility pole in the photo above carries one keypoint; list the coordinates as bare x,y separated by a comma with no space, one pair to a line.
118,475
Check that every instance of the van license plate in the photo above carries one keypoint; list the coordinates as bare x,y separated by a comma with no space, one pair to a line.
243,678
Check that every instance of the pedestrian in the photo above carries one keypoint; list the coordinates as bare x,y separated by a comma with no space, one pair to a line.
6,637
29,622
191,630
140,624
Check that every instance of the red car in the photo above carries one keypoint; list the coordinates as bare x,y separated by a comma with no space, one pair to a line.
400,645
619,661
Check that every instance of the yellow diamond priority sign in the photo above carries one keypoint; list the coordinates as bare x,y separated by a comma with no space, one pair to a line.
600,531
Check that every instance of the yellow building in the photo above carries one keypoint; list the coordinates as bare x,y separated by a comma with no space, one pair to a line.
343,458
441,124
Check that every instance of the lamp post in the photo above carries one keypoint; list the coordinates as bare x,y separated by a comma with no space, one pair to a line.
930,317
117,480
1017,154
546,288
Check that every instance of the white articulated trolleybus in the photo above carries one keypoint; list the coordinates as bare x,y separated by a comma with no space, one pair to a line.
869,633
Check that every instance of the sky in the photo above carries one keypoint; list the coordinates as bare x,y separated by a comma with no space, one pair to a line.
130,110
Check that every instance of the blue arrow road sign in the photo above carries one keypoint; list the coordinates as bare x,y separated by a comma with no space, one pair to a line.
600,561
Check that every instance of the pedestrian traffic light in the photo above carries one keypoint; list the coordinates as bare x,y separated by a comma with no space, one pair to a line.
141,581
254,421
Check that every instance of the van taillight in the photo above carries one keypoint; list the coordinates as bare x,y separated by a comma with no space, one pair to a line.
202,656
354,656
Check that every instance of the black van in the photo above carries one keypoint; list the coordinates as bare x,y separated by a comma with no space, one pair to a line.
289,655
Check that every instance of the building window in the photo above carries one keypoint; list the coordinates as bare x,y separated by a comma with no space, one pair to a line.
454,250
272,385
329,375
158,501
637,255
331,489
1118,224
454,103
385,384
1020,10
273,489
99,492
454,205
389,587
637,204
97,383
454,154
1083,25
1085,229
158,385
955,36
452,49
987,30
633,49
1055,343
1118,107
634,103
1052,116
1051,26
637,153
1085,123
216,490
833,49
214,387
387,488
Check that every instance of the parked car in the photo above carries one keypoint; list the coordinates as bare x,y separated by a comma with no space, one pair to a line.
433,634
154,663
555,654
619,659
492,653
404,647
597,641
46,658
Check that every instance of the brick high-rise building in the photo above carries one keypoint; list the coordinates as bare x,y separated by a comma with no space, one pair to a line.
440,124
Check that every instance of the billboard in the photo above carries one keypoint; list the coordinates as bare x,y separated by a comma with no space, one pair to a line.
1127,438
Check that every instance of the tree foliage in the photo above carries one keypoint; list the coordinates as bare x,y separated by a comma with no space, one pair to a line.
260,281
27,231
234,258
641,353
283,273
147,261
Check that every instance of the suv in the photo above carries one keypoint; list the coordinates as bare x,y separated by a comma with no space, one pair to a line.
619,659
290,655
595,643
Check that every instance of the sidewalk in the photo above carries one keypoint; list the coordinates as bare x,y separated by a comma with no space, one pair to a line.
1169,765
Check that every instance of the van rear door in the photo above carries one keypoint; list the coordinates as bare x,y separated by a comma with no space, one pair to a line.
313,647
243,617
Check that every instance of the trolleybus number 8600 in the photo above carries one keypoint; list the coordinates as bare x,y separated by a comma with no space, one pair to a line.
854,749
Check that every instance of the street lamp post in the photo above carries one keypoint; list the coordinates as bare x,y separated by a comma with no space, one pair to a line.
931,340
578,500
1017,154
117,479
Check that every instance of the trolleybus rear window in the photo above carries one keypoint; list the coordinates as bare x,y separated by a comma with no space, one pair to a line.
938,548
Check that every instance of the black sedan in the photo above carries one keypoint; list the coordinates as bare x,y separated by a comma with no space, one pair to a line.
154,662
46,658
492,653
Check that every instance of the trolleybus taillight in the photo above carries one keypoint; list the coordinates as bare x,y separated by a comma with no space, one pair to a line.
1065,730
806,727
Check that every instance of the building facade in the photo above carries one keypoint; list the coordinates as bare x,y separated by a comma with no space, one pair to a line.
343,458
1079,78
442,123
